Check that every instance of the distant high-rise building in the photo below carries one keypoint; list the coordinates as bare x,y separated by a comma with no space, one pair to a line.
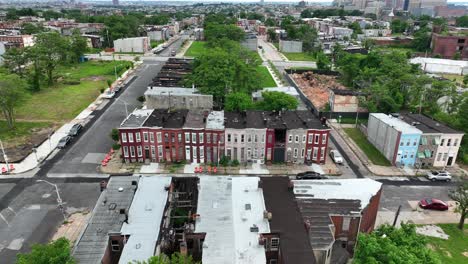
115,2
262,2
406,5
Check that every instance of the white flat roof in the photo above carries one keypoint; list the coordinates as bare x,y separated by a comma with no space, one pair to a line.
420,60
397,123
215,120
348,189
287,90
228,208
172,90
144,219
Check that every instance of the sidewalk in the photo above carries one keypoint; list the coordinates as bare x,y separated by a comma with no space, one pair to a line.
48,146
184,49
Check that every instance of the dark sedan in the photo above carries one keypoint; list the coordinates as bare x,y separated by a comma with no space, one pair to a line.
310,175
75,130
434,204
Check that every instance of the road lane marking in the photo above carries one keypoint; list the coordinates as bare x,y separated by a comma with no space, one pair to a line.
1,215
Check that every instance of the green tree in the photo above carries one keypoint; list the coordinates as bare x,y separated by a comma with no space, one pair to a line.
421,40
12,93
388,244
306,13
35,76
272,36
275,101
56,252
51,49
462,21
216,32
238,102
323,62
15,60
78,45
356,29
270,22
398,26
460,195
29,29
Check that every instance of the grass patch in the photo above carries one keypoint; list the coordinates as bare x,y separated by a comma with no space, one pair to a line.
451,251
21,131
266,78
155,43
372,152
454,77
302,68
299,56
351,120
196,49
63,102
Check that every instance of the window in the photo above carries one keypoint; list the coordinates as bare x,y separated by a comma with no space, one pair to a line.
160,152
208,138
255,153
314,155
132,151
159,137
123,137
445,157
145,136
449,141
249,153
415,142
166,137
138,137
273,261
401,143
411,154
303,139
151,137
115,245
439,156
442,141
200,137
187,137
249,138
274,245
290,139
270,138
263,138
202,152
255,138
194,153
406,155
322,153
194,138
215,138
228,137
172,137
346,222
324,139
140,153
455,142
408,142
235,138
221,138
153,152
295,153
317,136
296,139
311,136
242,138
130,137
125,149
302,153
309,151
179,137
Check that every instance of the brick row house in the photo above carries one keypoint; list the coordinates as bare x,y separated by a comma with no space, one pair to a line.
159,135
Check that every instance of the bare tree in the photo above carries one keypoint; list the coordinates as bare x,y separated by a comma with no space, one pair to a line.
460,195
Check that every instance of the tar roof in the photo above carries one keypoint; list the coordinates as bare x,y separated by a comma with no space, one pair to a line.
270,119
144,221
215,120
397,123
166,119
195,119
428,125
136,118
106,219
287,221
228,208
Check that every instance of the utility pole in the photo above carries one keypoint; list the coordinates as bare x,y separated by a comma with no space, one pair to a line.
396,215
59,199
5,157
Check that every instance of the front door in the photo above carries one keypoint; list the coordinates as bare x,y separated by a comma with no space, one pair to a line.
147,154
187,153
449,162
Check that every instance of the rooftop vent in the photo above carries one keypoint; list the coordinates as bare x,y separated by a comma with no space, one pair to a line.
120,189
254,228
248,206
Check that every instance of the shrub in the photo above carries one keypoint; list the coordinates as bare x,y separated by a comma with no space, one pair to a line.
102,90
141,99
235,163
115,146
71,82
115,134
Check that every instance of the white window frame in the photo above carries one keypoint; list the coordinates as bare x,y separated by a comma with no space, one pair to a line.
255,153
249,138
202,152
132,151
151,136
160,152
296,152
311,138
139,151
130,137
179,137
304,139
153,152
455,142
274,243
187,137
242,138
145,136
302,152
125,150
324,139
314,153
249,153
346,223
296,139
194,138
322,153
138,137
200,137
317,138
229,138
255,138
290,138
159,137
263,138
194,153
123,137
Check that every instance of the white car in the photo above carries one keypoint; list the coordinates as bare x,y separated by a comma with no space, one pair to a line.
108,95
439,176
336,156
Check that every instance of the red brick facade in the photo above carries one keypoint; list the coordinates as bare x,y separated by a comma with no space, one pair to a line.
448,46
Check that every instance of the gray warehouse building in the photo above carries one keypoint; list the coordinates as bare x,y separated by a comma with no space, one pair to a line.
177,98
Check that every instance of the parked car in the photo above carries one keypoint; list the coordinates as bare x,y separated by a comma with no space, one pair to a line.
310,175
108,95
434,204
64,142
439,176
75,130
173,52
336,156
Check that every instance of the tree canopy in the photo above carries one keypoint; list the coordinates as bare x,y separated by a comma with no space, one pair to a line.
56,252
272,101
12,92
462,21
460,195
392,245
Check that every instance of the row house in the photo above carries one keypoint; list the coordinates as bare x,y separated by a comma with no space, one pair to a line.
439,143
201,136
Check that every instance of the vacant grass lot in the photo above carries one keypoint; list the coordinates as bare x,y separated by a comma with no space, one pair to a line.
77,87
21,130
267,80
453,250
372,153
299,56
196,49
